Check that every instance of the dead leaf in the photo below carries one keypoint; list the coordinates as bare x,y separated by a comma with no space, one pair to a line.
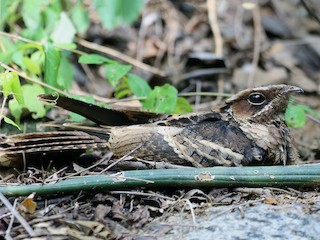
28,205
270,200
101,212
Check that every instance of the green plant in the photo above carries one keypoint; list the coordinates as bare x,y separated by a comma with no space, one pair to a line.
296,114
46,40
162,99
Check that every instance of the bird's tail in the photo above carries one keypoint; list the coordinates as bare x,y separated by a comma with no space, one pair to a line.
16,150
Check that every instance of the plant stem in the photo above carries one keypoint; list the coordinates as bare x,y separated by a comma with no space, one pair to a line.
23,75
275,176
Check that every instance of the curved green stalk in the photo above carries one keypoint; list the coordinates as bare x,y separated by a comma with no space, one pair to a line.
276,176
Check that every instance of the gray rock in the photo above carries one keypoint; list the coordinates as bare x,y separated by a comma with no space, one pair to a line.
261,222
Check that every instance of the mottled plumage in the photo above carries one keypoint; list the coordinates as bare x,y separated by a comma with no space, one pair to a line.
247,129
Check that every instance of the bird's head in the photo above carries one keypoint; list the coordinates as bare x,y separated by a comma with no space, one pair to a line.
260,104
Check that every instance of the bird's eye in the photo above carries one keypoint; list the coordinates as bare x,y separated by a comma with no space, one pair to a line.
256,98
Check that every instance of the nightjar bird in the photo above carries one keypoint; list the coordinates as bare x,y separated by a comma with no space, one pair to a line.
248,129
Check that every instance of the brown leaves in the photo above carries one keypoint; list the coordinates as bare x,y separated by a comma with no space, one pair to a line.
28,204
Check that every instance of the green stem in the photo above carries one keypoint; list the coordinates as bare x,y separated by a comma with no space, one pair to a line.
275,176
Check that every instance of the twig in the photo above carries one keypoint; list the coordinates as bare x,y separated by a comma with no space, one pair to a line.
49,178
198,97
187,201
141,36
120,56
42,220
88,72
17,215
310,11
8,236
240,205
190,94
238,26
142,194
121,159
2,108
23,75
283,190
313,118
13,36
107,156
205,94
213,20
257,43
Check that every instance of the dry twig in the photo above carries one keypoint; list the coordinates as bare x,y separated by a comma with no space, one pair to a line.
120,56
213,20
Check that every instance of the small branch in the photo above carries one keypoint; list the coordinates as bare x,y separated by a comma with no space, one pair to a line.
17,215
120,56
122,158
204,94
23,75
2,108
190,94
257,43
310,10
250,202
145,194
213,20
13,36
316,120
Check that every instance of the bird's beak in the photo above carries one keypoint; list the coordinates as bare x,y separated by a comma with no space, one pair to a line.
290,89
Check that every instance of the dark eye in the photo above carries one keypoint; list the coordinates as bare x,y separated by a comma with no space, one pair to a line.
256,98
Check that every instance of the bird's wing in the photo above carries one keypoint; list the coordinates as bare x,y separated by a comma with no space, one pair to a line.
101,115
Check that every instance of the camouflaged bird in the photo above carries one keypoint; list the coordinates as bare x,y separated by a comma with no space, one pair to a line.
248,129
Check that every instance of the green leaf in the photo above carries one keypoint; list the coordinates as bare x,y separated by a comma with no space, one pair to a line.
31,13
9,121
11,49
68,46
8,9
15,110
17,89
161,100
64,31
30,93
51,15
138,86
94,59
115,71
32,66
38,57
183,106
295,116
65,73
17,58
29,46
51,65
11,84
80,18
31,102
122,89
35,35
113,13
